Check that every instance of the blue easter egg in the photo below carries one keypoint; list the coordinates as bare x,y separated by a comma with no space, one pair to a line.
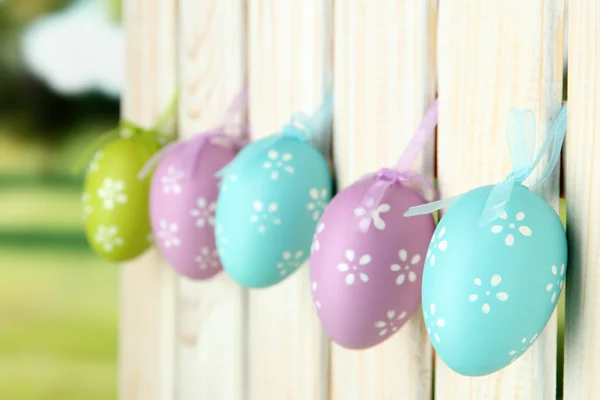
488,291
268,209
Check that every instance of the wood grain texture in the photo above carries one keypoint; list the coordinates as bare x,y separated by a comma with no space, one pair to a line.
385,81
290,71
212,313
582,167
493,56
147,315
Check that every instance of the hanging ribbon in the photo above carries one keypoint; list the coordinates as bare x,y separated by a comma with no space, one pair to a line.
301,127
521,134
189,149
127,129
386,178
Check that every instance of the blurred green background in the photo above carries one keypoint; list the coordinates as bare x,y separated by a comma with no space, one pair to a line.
60,82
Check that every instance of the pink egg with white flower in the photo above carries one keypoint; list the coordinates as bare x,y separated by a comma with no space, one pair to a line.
367,262
183,199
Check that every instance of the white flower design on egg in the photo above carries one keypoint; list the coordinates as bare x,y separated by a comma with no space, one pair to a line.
262,215
278,162
171,181
87,207
495,281
314,289
317,203
316,244
437,244
107,237
207,259
289,262
112,192
353,269
95,163
432,323
389,326
405,268
317,302
221,238
370,213
225,181
168,234
524,344
556,287
509,239
204,212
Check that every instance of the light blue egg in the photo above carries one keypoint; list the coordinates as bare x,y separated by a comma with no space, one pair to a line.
489,291
269,204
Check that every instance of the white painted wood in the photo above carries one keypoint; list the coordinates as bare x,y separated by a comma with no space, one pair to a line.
290,64
147,314
211,325
385,81
582,167
493,56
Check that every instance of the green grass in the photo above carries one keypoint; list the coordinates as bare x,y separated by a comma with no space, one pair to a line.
58,335
37,207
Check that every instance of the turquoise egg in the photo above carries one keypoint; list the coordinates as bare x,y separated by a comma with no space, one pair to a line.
270,201
488,291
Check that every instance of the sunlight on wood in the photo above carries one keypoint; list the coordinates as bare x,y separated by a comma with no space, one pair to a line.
494,56
211,314
147,320
290,71
582,353
385,81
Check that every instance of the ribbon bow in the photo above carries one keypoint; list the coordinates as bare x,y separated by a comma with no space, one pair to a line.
521,135
301,127
386,178
189,149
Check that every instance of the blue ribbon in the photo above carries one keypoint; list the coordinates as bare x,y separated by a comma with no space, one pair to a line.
521,134
301,127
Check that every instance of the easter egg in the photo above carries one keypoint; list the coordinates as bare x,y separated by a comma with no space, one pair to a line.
268,209
115,201
367,283
488,291
182,210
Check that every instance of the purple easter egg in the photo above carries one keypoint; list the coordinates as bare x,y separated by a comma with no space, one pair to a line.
182,209
367,283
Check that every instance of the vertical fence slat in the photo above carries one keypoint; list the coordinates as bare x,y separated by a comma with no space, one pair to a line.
147,310
211,314
582,167
290,64
385,80
494,56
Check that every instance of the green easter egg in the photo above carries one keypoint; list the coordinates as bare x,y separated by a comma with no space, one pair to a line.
115,201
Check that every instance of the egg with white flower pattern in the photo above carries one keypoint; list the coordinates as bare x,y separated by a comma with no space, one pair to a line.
182,208
115,201
367,262
488,291
268,209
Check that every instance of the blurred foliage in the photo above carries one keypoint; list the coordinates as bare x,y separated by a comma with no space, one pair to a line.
20,13
15,15
58,302
29,109
116,9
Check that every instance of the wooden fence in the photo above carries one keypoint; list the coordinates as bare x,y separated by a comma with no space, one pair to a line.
386,60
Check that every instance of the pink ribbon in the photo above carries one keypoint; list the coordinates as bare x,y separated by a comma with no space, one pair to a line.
189,150
401,173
